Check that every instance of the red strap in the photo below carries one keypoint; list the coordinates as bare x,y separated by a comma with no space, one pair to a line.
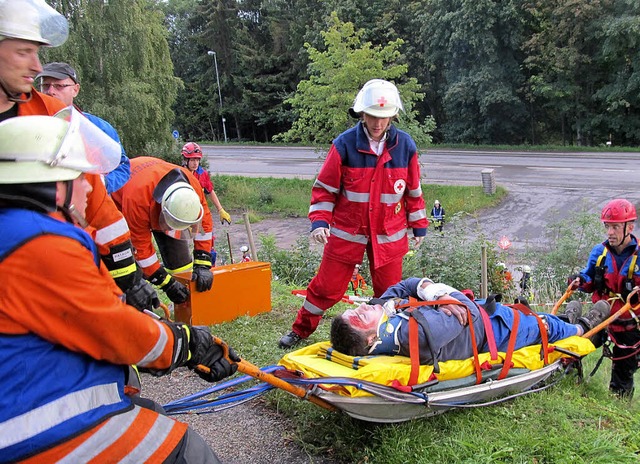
414,351
544,336
474,345
511,346
488,331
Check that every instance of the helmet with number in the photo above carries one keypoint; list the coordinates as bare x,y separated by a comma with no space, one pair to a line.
32,20
181,207
378,98
618,210
192,150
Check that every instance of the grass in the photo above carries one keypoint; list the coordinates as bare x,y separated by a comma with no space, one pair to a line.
290,197
570,422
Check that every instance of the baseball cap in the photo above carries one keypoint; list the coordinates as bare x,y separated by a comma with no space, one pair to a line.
58,71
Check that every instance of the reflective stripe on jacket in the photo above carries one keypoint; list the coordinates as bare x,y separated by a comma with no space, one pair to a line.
64,346
142,212
367,198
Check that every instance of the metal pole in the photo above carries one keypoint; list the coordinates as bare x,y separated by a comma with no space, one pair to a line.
215,61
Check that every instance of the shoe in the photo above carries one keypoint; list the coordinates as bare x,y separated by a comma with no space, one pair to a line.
289,340
598,313
573,312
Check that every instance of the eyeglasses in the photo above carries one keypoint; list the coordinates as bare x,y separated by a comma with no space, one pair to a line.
58,87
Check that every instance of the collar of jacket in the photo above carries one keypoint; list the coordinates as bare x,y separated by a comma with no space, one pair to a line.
362,141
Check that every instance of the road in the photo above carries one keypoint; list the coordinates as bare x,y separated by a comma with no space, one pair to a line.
543,187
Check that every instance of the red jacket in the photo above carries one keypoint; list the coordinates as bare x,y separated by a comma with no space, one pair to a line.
135,200
368,198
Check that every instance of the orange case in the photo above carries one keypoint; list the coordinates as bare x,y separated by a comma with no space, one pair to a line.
242,289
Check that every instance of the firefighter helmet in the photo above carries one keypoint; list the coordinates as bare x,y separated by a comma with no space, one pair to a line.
181,207
618,210
32,20
378,98
192,150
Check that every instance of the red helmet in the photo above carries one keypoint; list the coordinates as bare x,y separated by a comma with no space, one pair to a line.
192,150
618,210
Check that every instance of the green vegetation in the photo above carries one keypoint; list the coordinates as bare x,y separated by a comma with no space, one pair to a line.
570,422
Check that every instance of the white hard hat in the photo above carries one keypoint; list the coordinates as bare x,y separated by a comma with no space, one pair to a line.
244,248
378,98
436,202
526,269
501,265
37,149
32,20
181,207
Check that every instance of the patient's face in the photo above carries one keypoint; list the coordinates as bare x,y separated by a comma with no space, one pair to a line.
365,317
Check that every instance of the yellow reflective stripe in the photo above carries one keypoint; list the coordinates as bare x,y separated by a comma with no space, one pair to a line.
632,267
186,268
202,262
165,281
123,271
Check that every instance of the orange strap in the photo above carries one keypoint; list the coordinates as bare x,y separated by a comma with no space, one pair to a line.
474,345
488,331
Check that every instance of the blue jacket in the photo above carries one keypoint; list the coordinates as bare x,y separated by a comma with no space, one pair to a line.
452,340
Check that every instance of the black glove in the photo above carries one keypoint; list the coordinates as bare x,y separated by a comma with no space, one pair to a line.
573,277
202,274
142,296
176,292
206,352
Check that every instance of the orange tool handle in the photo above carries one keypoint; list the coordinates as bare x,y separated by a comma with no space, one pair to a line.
167,312
254,371
566,295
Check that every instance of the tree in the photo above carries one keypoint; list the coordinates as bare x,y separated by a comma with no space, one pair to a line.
120,52
336,75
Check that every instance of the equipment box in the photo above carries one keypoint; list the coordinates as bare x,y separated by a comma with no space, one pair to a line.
242,289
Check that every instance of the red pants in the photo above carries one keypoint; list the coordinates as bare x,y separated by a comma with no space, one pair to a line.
329,286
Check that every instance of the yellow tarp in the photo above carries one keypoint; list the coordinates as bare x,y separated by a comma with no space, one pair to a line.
311,360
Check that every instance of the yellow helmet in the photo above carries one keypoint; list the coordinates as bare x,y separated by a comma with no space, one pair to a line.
181,207
32,20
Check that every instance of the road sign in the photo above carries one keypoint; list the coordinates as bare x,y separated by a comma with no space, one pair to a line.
175,134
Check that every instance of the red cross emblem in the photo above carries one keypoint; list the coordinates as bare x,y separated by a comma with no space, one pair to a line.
382,101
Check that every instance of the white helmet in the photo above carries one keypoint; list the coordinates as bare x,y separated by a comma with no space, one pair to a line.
502,266
181,207
526,269
378,98
32,20
437,202
244,248
49,149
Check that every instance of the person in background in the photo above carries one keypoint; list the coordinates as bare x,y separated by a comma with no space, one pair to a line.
357,283
244,249
611,273
191,156
60,80
366,197
437,214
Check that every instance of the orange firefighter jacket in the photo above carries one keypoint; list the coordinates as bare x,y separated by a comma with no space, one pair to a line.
142,212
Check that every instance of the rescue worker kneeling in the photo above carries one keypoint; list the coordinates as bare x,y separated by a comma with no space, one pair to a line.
166,202
66,340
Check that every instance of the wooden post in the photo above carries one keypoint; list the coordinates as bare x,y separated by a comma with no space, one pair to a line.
252,245
484,287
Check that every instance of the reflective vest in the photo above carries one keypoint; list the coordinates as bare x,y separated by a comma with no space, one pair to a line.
79,392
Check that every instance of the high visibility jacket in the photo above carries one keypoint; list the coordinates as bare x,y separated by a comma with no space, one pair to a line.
62,373
111,230
142,212
204,178
367,198
619,268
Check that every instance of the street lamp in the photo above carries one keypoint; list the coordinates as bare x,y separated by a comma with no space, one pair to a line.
215,61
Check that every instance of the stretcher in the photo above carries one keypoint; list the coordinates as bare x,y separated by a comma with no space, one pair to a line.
374,388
